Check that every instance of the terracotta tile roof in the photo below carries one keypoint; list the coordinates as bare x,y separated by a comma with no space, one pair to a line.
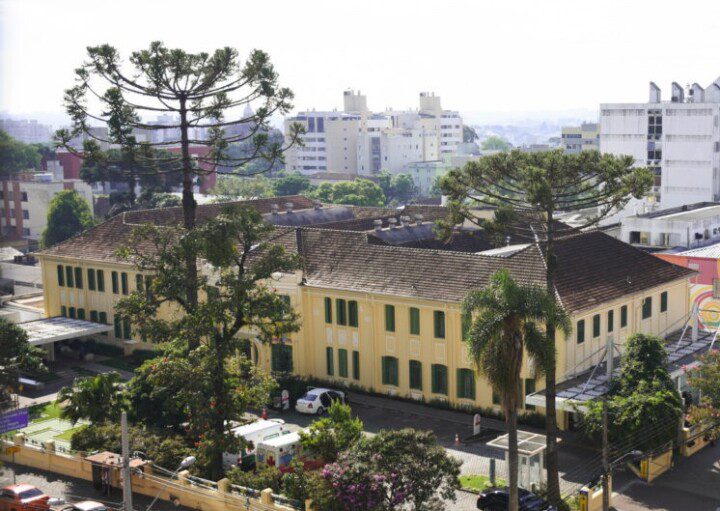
594,267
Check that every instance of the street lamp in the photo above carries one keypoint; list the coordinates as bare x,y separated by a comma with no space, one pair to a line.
187,462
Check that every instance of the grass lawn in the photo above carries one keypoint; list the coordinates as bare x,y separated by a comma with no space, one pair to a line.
44,412
477,483
67,435
122,363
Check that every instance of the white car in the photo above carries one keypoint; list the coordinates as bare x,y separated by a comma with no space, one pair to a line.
318,400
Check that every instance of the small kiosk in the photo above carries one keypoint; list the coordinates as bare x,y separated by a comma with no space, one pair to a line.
531,458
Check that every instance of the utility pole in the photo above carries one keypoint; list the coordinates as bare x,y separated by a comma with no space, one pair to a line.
127,488
605,458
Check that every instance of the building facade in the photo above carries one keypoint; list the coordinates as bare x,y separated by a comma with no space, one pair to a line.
380,296
679,140
362,142
575,139
25,199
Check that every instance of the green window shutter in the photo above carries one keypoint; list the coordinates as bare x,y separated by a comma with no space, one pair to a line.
356,365
529,389
115,287
78,277
63,311
623,316
329,361
127,330
139,283
390,318
69,276
439,321
281,358
342,363
596,325
353,313
580,331
91,279
340,311
390,371
60,275
328,310
495,398
72,313
100,277
466,324
647,307
663,301
415,375
118,326
611,320
94,316
466,383
81,313
439,379
124,282
414,321
102,317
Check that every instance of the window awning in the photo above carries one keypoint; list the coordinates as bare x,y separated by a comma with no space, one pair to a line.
59,328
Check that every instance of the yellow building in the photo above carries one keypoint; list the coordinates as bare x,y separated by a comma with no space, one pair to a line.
379,295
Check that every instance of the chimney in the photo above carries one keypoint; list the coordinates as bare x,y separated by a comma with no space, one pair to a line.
318,206
392,222
418,219
406,221
377,224
288,207
274,208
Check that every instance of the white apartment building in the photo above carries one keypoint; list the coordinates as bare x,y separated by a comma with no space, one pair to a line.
585,137
25,199
358,141
679,140
28,131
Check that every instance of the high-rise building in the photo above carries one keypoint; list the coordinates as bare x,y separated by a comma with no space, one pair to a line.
585,137
679,140
28,131
359,141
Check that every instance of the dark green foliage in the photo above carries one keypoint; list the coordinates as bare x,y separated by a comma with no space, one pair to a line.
494,143
328,436
164,450
291,184
268,477
397,187
361,192
469,134
156,402
15,156
17,356
95,398
69,214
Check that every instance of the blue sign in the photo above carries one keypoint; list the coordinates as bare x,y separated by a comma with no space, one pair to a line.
14,419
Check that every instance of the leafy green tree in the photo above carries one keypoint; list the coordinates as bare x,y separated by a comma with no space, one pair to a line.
361,192
155,403
152,200
16,156
328,436
238,260
201,91
469,134
395,469
705,378
16,355
95,398
529,189
291,184
164,450
495,143
505,323
245,149
229,188
642,395
397,187
268,477
69,214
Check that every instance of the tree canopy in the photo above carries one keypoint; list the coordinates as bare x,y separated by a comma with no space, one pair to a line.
397,187
469,134
16,356
293,183
328,436
16,156
360,192
69,214
95,398
229,188
495,143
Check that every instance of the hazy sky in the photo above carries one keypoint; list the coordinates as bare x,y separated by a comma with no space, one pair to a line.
480,56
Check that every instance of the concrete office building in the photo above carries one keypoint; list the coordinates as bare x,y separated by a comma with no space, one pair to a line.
585,137
679,140
27,131
359,141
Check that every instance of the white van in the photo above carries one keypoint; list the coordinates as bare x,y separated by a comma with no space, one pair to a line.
254,432
278,451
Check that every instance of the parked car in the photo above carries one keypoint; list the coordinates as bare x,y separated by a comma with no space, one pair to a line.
496,499
23,497
85,505
316,400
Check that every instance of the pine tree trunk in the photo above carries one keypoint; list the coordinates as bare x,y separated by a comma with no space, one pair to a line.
513,503
189,208
551,427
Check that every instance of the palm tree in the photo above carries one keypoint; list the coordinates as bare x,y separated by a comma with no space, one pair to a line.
96,398
505,318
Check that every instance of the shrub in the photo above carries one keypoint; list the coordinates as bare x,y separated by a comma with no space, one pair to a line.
268,477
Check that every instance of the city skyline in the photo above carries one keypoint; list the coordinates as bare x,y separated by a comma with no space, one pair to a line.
564,63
